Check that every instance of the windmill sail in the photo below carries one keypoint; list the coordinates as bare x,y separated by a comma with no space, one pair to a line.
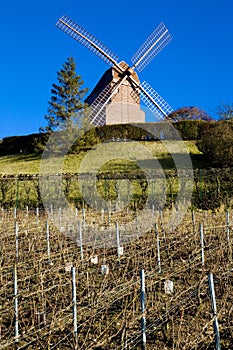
157,105
80,34
97,115
151,47
116,97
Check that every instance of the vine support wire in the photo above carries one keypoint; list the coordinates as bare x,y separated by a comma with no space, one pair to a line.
16,311
73,275
143,308
202,245
214,310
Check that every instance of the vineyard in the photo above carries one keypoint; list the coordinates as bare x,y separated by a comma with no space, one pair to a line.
57,293
212,188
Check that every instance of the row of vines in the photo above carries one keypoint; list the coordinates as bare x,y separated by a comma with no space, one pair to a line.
212,188
37,311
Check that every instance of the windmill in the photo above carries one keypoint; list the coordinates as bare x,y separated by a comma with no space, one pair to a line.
120,84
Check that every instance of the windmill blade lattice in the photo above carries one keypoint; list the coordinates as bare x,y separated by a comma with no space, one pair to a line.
157,105
97,113
97,108
151,47
80,34
101,112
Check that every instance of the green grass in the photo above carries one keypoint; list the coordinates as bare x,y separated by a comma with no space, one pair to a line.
20,164
30,163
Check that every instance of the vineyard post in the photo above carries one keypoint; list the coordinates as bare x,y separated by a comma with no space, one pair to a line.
16,240
102,216
80,239
118,240
202,245
214,310
158,247
16,312
37,216
47,241
161,223
15,213
17,194
143,308
74,305
51,210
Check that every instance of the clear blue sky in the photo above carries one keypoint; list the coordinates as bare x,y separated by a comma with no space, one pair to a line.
194,69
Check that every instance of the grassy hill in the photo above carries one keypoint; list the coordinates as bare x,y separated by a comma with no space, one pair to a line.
30,163
21,154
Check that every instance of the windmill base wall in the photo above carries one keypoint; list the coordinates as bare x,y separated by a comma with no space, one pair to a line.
117,113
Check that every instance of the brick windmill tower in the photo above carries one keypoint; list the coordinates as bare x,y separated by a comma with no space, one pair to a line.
117,96
124,105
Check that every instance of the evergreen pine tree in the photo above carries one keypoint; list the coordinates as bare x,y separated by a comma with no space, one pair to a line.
66,107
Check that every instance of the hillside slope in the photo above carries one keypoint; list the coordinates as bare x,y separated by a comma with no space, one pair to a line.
24,163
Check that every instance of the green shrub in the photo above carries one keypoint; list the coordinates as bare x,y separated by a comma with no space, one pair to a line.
217,144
